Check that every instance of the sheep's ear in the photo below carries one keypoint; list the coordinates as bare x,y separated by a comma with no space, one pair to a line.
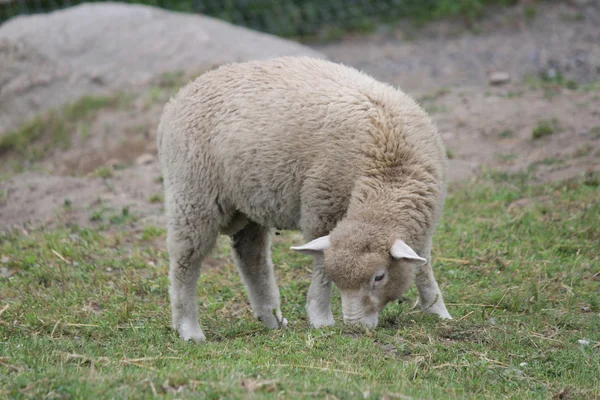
401,250
314,247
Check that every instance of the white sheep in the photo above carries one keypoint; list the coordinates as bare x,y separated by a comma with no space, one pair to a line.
301,143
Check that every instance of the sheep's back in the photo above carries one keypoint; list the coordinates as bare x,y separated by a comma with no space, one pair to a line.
263,128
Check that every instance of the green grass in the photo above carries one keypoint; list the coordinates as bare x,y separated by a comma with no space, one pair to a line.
544,128
84,313
155,198
40,136
36,137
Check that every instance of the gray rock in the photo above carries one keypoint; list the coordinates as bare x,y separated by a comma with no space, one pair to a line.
499,78
51,59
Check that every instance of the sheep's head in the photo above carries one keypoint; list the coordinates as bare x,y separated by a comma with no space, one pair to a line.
370,270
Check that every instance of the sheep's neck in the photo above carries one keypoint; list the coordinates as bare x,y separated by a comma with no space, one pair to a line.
403,208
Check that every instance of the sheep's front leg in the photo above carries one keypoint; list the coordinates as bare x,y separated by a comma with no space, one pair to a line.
430,296
252,256
318,304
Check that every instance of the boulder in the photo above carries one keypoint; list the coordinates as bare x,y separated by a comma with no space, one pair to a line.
52,59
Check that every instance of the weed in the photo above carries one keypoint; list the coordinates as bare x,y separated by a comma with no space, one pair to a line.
506,158
506,134
152,232
529,12
544,128
97,215
103,172
156,198
512,94
549,161
85,130
35,138
583,151
122,217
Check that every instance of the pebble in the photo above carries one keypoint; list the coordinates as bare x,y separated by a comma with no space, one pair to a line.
499,78
112,163
145,159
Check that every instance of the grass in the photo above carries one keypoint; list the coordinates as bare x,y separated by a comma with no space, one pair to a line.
155,198
544,128
506,134
84,312
36,137
583,151
39,137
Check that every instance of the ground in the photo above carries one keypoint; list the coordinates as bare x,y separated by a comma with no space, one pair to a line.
85,312
83,266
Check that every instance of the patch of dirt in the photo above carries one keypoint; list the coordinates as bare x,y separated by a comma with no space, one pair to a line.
113,138
37,199
562,38
484,126
495,130
489,126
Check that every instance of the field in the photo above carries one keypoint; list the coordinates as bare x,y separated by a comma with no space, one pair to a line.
84,309
84,312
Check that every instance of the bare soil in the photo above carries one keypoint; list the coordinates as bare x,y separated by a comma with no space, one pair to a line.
486,127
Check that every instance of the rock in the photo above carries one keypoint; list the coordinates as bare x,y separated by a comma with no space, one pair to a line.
145,159
499,78
113,163
96,48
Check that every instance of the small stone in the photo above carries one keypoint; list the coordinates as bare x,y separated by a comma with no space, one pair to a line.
93,307
551,73
112,163
586,309
584,342
4,272
523,364
499,78
4,259
145,159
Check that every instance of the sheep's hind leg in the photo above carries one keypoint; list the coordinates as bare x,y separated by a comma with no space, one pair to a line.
191,235
252,255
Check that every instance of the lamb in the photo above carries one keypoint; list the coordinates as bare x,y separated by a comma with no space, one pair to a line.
302,143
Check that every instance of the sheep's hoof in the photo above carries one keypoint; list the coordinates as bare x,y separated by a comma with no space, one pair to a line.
191,332
273,321
319,316
321,322
441,312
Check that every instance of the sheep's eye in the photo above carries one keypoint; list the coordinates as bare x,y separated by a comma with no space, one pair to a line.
379,278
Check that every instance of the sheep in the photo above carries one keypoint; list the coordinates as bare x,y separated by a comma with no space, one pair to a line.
302,143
